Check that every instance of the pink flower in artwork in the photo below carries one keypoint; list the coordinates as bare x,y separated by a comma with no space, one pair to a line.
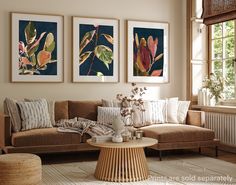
36,43
145,56
25,61
43,58
21,48
152,45
156,72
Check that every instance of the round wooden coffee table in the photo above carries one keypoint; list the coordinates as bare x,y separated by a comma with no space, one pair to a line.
122,162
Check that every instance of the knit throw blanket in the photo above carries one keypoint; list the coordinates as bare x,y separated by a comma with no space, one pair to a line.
82,125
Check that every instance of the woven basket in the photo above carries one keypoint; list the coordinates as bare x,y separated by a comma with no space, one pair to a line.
20,169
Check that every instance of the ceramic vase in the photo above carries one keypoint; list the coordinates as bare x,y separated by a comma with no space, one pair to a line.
118,127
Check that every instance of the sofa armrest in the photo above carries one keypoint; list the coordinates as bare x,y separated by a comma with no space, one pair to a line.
5,130
196,118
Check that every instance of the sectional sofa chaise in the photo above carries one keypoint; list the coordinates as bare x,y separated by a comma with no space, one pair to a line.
48,140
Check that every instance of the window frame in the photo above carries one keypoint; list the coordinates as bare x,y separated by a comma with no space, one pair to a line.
223,59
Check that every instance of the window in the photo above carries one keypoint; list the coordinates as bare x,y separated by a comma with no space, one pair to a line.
223,52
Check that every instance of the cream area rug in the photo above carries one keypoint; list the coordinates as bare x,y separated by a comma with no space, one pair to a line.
173,170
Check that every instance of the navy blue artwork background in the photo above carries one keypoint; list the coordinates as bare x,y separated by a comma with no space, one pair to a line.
42,27
155,33
98,65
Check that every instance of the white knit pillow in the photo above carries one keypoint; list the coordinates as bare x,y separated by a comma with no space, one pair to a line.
182,111
106,115
172,110
34,114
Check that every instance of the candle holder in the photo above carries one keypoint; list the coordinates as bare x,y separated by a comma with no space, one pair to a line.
139,134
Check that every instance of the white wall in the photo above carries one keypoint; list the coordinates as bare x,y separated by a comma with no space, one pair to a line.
172,11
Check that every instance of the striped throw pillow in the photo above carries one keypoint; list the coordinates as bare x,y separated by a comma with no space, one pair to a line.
51,109
158,111
34,114
106,115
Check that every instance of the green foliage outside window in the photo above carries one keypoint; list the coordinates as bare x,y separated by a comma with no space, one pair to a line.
223,54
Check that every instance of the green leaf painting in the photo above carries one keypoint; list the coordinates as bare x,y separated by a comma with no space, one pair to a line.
30,33
104,54
96,50
37,48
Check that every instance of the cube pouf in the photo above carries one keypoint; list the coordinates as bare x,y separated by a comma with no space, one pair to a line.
20,169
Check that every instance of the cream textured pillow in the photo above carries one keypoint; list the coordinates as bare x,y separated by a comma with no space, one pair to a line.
172,110
11,109
183,107
110,103
34,114
106,115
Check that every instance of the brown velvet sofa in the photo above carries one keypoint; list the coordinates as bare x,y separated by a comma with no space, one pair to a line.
48,140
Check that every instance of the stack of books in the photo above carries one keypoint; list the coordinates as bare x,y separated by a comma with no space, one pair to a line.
101,138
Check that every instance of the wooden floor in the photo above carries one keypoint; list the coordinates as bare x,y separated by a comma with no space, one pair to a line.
222,155
225,156
93,155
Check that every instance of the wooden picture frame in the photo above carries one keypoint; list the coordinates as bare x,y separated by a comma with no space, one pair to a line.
37,47
148,52
95,50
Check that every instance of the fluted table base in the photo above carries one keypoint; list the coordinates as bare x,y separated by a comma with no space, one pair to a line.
122,165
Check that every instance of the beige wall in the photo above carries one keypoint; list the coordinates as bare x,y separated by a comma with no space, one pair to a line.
172,11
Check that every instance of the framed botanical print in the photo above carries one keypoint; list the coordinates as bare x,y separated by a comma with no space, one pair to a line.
148,52
37,48
95,50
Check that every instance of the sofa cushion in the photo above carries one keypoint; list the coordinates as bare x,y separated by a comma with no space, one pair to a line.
168,132
51,108
110,103
61,110
11,109
34,114
44,136
182,111
84,109
106,115
172,110
158,111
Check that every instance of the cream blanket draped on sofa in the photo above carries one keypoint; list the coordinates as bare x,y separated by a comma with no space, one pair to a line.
81,125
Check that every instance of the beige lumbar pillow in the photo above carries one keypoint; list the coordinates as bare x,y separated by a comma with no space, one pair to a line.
11,109
110,103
